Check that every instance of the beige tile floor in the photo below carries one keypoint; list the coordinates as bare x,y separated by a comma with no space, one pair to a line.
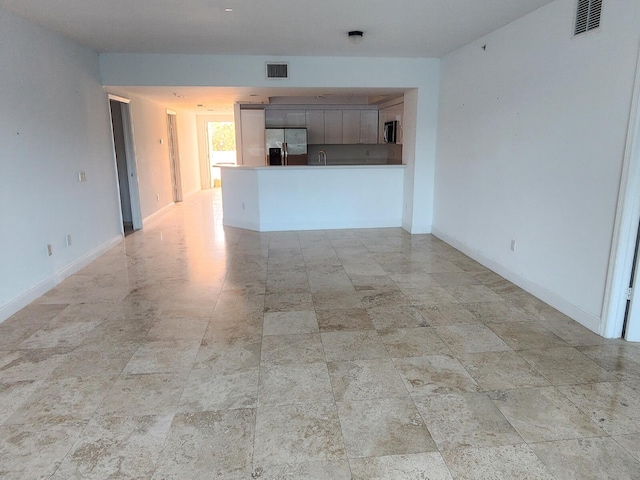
198,352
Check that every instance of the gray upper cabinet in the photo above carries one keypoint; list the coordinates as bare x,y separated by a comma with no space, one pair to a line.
369,126
315,126
295,118
333,127
350,126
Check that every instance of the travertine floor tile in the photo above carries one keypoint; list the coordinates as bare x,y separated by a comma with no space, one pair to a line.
208,444
413,342
282,323
227,354
403,316
496,312
208,390
334,470
615,407
631,443
428,465
173,356
13,395
434,374
147,394
501,370
292,349
297,434
285,384
344,319
438,314
587,459
526,336
356,345
365,380
544,414
35,450
515,462
388,426
63,400
461,420
471,338
109,447
566,366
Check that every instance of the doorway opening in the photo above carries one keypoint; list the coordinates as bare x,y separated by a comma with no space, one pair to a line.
174,157
221,147
125,164
621,312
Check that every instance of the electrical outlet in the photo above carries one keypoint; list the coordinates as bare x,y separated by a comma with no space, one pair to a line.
82,177
242,205
513,245
157,196
49,250
68,240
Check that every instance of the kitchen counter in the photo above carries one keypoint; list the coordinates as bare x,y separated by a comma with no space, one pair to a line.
312,197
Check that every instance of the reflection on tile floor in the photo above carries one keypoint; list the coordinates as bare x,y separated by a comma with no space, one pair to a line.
193,351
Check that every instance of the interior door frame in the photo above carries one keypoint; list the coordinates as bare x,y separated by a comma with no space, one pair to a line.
174,155
625,228
132,166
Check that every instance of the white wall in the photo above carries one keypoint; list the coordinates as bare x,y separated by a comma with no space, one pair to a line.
530,146
189,155
312,198
54,122
338,72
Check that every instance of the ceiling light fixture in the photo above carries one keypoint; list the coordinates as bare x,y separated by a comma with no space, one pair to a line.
355,36
228,9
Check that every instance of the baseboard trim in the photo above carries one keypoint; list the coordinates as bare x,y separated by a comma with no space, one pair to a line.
241,224
157,213
43,287
591,321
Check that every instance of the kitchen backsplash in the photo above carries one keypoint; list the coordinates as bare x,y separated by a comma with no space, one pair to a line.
356,154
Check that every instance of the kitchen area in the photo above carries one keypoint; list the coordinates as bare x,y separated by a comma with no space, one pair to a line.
316,165
281,134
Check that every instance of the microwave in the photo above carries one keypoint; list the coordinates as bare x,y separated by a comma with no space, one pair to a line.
390,132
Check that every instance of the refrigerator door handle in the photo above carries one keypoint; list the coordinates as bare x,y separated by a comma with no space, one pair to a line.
285,150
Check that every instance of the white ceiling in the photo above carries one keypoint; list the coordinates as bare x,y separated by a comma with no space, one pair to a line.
392,28
396,28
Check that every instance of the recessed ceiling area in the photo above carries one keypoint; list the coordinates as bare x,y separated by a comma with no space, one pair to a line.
399,28
220,100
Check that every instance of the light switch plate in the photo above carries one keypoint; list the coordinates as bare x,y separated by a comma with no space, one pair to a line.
82,176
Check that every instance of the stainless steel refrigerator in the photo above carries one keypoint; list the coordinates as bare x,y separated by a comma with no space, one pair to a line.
286,146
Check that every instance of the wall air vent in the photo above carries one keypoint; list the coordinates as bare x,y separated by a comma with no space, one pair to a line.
587,16
277,70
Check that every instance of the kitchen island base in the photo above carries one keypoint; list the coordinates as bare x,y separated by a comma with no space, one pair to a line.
267,199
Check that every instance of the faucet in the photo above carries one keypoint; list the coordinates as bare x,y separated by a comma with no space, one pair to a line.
322,154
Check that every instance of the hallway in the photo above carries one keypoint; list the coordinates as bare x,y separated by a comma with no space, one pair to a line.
193,351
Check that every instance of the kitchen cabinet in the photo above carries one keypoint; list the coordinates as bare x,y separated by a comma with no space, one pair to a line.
253,137
277,118
369,126
315,126
294,118
274,118
350,126
333,127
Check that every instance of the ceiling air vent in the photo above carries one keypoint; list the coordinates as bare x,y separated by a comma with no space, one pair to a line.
587,16
277,70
